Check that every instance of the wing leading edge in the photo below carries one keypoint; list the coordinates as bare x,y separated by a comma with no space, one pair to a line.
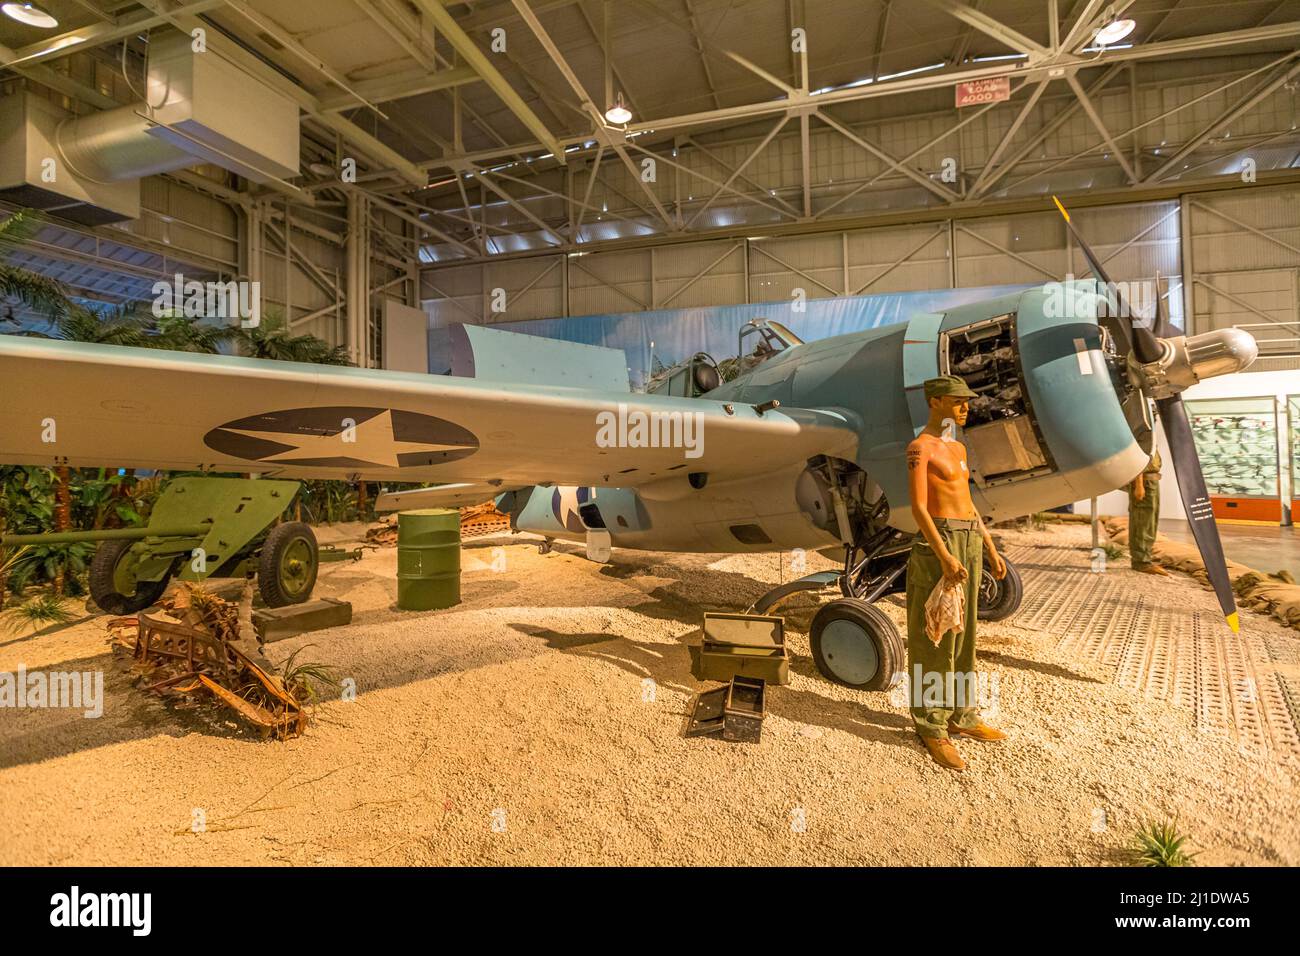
109,406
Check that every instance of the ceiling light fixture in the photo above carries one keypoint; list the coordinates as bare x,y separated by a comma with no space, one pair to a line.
1114,31
619,114
30,14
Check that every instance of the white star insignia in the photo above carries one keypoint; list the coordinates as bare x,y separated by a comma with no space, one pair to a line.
373,444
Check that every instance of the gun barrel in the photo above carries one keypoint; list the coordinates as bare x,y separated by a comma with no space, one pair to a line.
107,534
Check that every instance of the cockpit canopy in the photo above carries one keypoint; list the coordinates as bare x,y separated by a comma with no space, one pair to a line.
758,341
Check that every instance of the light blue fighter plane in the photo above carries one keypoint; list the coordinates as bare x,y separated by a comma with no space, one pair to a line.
803,449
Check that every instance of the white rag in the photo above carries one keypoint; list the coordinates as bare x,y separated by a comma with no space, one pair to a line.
945,609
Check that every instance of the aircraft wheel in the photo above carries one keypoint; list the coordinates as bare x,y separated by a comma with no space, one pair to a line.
856,645
545,547
999,599
113,585
286,570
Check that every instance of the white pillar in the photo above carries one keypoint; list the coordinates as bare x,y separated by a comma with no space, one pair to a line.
358,280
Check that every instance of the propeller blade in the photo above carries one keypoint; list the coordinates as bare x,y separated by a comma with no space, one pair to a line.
1163,327
1196,502
1145,344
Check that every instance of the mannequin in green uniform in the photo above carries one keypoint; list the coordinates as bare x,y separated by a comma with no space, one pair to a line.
950,546
1144,516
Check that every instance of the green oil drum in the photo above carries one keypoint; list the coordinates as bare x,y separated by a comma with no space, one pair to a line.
428,559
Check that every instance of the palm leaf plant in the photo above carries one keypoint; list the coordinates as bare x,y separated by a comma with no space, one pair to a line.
189,333
113,327
40,293
272,339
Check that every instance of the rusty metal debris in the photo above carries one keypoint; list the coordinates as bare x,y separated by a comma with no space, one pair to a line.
195,644
476,521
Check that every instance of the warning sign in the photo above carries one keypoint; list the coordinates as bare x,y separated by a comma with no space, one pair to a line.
979,92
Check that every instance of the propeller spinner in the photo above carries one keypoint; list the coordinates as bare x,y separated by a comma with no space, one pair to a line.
1162,368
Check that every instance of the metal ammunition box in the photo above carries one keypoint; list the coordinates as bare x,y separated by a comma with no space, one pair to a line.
747,645
746,705
707,712
275,624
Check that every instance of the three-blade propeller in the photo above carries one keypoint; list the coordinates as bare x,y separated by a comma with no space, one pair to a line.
1178,432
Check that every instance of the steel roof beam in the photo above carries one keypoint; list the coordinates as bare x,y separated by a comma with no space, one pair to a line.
98,34
1245,104
937,80
475,58
518,207
994,28
942,192
1145,123
726,186
597,118
1010,134
1076,34
1096,121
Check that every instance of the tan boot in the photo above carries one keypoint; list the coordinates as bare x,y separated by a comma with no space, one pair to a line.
980,731
943,752
1151,569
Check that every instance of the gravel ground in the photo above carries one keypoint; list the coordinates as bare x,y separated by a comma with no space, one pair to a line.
540,723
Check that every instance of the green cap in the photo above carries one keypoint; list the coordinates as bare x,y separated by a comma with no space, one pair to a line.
947,385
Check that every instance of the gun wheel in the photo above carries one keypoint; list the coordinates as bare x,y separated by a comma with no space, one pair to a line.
286,571
113,584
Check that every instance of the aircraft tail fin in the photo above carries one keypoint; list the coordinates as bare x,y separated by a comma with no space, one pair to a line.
496,355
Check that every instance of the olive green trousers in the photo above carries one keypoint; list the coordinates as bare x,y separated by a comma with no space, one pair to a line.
941,678
1143,519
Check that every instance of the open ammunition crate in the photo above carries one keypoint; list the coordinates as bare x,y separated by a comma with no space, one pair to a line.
745,645
733,711
742,715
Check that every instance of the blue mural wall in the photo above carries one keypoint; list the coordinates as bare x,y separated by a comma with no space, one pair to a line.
677,334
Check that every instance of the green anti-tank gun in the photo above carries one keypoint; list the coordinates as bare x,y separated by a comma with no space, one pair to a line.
202,528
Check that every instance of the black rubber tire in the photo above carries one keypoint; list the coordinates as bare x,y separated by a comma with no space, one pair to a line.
104,591
1005,597
274,591
891,652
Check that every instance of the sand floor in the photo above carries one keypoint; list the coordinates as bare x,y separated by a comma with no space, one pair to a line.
540,722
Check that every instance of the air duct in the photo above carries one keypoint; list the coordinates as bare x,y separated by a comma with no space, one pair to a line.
198,108
117,145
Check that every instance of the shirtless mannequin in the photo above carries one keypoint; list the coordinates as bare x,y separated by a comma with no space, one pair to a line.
939,481
950,547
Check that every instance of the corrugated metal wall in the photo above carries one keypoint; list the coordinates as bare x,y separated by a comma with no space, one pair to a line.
1245,255
1137,241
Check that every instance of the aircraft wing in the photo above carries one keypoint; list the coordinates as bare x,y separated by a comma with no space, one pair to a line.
110,406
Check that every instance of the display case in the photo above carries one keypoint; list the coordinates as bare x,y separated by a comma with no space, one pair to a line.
1237,441
1293,441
